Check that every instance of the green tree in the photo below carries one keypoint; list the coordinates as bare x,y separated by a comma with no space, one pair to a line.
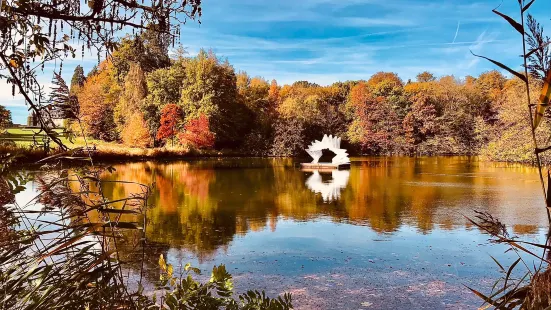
164,86
5,118
78,79
149,50
210,89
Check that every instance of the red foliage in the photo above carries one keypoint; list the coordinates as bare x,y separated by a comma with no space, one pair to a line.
197,133
171,116
376,118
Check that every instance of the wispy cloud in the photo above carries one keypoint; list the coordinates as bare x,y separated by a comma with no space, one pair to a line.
456,31
370,21
326,40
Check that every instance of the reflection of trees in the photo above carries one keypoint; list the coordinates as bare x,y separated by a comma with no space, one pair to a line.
202,205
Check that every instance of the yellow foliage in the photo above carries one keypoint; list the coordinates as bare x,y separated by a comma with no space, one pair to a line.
99,94
135,132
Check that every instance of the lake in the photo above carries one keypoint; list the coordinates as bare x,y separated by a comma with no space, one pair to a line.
389,233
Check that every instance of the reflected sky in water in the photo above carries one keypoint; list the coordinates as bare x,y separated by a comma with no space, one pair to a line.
389,231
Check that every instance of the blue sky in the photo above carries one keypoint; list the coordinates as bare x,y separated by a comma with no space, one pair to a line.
325,41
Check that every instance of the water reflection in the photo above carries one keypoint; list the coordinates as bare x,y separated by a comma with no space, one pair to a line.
329,190
203,205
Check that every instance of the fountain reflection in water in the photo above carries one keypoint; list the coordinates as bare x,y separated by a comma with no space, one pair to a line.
330,190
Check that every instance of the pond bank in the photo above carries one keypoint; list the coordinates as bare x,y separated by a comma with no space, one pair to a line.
117,152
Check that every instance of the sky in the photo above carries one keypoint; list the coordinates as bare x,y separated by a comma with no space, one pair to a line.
326,41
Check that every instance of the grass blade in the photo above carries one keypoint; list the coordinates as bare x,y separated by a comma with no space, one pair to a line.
499,64
500,266
510,270
483,297
511,21
526,7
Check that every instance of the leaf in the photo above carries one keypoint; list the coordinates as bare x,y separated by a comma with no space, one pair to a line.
511,21
483,297
169,270
544,100
495,260
162,262
14,63
499,64
526,7
510,270
62,246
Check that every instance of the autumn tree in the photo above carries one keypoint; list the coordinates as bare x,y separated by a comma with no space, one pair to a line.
254,94
389,77
133,93
421,123
273,94
425,76
171,117
289,139
197,133
43,32
304,84
97,98
486,94
135,131
375,123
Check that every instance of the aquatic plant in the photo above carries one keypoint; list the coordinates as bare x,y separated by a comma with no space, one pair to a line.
532,290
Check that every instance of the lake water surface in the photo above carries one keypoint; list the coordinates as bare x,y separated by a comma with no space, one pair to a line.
389,233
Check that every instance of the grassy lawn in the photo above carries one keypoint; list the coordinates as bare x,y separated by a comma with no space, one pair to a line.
24,137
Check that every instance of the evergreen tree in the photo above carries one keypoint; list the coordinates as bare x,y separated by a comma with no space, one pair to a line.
78,79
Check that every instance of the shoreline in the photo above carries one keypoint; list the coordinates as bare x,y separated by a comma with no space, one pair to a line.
111,153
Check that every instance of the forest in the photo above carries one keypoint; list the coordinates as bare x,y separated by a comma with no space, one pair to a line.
142,96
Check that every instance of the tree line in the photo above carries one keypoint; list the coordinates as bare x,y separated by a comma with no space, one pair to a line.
142,97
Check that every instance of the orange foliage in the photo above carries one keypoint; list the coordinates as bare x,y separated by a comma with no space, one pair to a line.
97,98
385,77
135,132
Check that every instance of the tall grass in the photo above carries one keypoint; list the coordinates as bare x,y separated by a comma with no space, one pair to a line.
532,290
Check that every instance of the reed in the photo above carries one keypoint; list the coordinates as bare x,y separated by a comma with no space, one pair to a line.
533,289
